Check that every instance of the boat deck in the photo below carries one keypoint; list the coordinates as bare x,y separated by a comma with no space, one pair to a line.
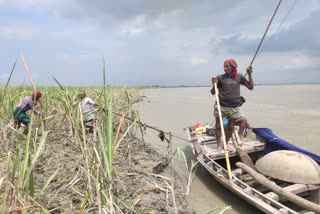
208,145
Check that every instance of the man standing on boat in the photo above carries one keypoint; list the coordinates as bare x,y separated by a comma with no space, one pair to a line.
228,85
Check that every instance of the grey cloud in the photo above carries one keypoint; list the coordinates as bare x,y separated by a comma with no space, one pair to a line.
190,14
112,12
301,36
157,56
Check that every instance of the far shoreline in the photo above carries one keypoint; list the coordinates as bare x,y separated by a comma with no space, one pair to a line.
206,86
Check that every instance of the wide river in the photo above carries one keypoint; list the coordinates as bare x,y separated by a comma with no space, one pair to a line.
291,111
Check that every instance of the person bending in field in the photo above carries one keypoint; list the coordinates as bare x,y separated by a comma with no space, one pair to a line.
228,85
89,114
20,112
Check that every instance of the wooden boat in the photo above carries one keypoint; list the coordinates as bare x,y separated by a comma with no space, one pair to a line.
242,183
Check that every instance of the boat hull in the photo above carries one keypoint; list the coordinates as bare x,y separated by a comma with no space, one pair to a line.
266,201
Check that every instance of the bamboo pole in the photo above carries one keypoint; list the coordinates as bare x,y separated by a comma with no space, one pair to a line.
223,134
33,86
265,33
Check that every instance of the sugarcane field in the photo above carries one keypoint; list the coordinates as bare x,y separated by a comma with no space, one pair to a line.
62,165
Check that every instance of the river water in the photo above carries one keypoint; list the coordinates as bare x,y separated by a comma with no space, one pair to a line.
291,111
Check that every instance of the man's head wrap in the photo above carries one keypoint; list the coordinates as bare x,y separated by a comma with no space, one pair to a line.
37,94
234,65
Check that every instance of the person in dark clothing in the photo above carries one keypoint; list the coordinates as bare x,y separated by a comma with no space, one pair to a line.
228,85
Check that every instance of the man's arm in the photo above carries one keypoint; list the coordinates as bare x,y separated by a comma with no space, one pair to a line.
36,111
214,79
93,103
33,107
213,91
249,84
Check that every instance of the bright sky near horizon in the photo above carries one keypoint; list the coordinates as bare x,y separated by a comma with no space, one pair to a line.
157,42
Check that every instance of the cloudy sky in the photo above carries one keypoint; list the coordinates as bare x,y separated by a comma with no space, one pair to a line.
157,42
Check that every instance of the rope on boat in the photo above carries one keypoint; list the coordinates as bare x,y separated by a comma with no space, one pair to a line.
162,134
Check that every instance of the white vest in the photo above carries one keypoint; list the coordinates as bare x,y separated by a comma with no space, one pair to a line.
87,105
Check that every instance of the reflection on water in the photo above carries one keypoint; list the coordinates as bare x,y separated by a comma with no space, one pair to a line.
291,111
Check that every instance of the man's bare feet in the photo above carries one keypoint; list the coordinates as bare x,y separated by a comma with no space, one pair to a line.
220,148
243,139
230,148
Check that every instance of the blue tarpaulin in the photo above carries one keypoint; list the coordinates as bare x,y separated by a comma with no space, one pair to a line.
275,143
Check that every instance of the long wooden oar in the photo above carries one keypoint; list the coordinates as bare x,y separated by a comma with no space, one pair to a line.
279,190
222,133
244,157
